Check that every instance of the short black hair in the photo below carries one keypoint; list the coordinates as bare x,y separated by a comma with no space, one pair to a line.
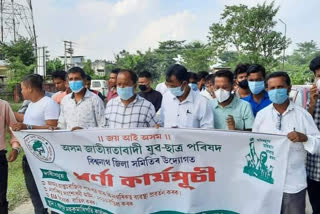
255,68
34,81
145,74
315,64
88,77
194,76
279,74
202,75
210,78
240,69
224,73
115,71
133,75
61,74
77,70
179,71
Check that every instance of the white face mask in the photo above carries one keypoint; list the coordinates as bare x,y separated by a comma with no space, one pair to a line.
318,84
222,95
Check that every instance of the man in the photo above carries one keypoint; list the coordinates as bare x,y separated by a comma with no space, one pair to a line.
41,113
155,97
129,110
112,85
81,108
241,87
286,118
6,119
162,88
229,111
181,107
208,92
201,79
259,98
59,80
313,160
87,84
193,82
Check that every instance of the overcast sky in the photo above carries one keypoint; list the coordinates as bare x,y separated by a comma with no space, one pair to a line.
101,28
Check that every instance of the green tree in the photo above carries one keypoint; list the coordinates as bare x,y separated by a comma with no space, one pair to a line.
88,69
54,65
250,31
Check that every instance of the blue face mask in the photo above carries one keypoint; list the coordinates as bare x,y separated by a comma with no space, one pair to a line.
256,86
278,96
177,92
193,86
76,86
125,93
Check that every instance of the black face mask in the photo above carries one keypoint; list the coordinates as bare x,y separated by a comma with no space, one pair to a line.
243,84
143,87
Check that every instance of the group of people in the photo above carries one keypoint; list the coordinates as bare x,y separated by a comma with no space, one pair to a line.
244,100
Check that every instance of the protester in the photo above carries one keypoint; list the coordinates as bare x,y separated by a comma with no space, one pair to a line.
193,82
202,79
41,113
59,80
182,107
112,85
229,111
286,118
313,160
129,110
208,92
81,108
241,88
6,119
147,92
87,84
162,88
259,98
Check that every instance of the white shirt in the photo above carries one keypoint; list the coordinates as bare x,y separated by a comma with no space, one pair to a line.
295,117
193,112
162,88
206,94
44,109
87,113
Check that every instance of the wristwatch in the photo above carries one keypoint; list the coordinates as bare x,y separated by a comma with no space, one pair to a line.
17,149
29,126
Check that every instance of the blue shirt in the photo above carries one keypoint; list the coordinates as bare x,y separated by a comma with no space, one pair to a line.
256,107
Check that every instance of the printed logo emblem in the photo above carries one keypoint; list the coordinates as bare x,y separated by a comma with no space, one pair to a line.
40,148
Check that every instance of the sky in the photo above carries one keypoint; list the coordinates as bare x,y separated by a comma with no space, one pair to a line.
102,28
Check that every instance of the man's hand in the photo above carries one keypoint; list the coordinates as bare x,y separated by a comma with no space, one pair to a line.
230,123
156,126
76,128
313,94
52,128
13,155
18,126
297,137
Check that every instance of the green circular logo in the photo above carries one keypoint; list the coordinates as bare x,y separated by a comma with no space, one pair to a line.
40,148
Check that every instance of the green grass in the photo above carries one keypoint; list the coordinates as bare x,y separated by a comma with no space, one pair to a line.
17,192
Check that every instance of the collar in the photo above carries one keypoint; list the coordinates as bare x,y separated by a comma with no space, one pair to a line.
264,97
190,97
86,94
289,108
230,105
133,102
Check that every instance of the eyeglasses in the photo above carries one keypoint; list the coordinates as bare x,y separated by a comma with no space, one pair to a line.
279,121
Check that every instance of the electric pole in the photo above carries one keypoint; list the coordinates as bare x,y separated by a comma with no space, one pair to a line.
68,50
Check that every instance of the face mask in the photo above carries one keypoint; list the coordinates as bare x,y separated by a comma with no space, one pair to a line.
193,86
243,84
76,86
177,92
142,87
318,84
222,95
125,93
278,96
256,86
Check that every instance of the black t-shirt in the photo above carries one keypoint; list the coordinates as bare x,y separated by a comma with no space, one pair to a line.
153,96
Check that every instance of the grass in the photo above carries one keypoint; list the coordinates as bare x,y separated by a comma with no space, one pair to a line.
17,192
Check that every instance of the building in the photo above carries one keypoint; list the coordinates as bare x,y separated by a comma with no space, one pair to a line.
76,61
99,67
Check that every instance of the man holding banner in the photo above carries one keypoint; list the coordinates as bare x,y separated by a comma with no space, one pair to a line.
285,117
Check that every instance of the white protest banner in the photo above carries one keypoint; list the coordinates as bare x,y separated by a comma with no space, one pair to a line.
157,170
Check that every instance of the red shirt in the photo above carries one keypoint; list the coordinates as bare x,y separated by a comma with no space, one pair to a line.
112,93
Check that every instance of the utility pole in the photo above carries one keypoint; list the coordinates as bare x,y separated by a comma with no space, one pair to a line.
68,50
42,55
1,19
13,21
285,37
